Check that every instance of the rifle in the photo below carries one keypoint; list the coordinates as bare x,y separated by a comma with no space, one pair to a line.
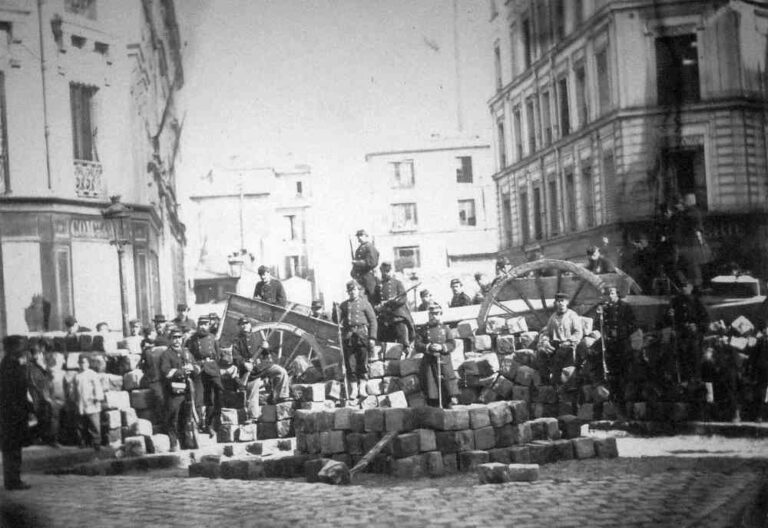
352,273
337,311
602,342
398,297
438,337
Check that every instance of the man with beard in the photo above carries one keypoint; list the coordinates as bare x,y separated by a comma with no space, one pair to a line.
438,379
176,366
391,306
204,348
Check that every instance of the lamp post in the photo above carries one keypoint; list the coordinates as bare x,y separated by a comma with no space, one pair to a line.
235,261
116,213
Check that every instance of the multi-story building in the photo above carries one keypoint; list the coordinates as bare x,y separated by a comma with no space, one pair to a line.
263,211
87,111
433,207
605,110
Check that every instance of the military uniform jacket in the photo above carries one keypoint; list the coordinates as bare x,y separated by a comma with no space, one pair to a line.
618,320
460,299
358,317
431,334
271,292
205,350
171,363
395,310
14,431
185,324
368,253
246,348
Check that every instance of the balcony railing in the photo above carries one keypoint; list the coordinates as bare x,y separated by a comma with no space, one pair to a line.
85,8
88,180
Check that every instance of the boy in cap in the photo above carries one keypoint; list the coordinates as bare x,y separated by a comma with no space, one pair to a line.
391,305
359,330
269,289
14,409
558,340
87,394
459,298
436,380
364,262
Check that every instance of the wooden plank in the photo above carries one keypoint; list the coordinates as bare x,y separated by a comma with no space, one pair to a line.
375,450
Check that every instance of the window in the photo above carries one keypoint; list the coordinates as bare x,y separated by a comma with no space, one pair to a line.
502,143
292,266
565,118
404,217
546,117
82,99
512,50
291,232
464,170
530,109
299,188
86,8
524,222
527,43
5,177
538,214
402,174
407,258
677,69
467,213
506,218
588,194
578,13
570,199
603,83
554,224
559,14
64,305
684,173
581,94
497,65
518,132
609,176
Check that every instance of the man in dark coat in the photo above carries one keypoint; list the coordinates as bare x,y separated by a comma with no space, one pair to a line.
359,329
182,319
208,387
618,323
459,298
689,319
365,260
432,340
14,409
596,263
269,289
391,307
176,366
41,390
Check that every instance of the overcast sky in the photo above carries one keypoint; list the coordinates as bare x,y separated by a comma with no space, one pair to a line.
322,82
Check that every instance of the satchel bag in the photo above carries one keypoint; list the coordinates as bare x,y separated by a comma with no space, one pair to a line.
178,387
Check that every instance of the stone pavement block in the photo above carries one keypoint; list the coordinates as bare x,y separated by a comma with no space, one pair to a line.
409,366
563,449
265,431
542,452
485,438
134,446
332,442
117,400
128,416
470,460
392,367
455,441
354,443
313,443
268,413
159,443
373,387
313,392
255,469
390,384
405,445
229,416
376,369
456,419
505,435
522,393
205,469
399,420
370,440
416,399
429,417
478,416
544,394
357,420
466,328
583,447
316,406
505,344
488,395
467,396
305,421
374,420
392,350
141,428
524,376
325,420
226,433
396,400
538,430
427,441
450,463
493,473
586,412
523,472
132,379
519,409
570,426
142,399
503,387
606,448
409,468
522,433
433,464
520,454
234,469
499,454
247,433
500,413
111,419
410,384
537,410
342,418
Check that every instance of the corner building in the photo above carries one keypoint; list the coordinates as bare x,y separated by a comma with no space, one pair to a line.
604,110
87,111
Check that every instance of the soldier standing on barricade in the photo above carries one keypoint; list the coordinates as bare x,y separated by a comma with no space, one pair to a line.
269,289
359,328
182,319
364,262
459,298
558,340
689,319
618,323
176,367
208,387
391,306
438,379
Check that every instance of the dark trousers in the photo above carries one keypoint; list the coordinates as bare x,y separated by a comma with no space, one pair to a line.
212,389
158,397
173,416
689,355
357,347
89,430
394,332
368,282
11,467
45,424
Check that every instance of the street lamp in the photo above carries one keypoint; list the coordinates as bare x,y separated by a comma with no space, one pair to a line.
117,212
235,261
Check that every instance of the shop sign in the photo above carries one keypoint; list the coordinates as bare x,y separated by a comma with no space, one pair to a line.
91,228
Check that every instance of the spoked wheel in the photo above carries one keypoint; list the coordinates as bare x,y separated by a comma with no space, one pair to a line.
287,342
529,291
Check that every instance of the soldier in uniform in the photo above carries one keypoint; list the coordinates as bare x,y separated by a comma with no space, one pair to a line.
208,387
618,323
426,300
253,358
365,260
317,310
161,333
359,328
269,289
182,319
176,367
558,340
596,263
689,319
459,297
438,379
391,307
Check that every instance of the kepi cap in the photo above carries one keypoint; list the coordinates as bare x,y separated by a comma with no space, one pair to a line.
561,295
203,319
182,307
385,266
455,281
352,285
69,320
262,269
361,232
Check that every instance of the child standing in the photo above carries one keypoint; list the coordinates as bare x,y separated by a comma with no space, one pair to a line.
87,394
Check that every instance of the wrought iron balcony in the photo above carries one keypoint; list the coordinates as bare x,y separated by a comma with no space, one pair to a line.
88,180
85,8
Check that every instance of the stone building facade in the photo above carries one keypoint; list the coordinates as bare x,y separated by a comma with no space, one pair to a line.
88,111
605,110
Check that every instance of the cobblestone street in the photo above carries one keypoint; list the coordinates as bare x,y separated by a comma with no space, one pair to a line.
661,491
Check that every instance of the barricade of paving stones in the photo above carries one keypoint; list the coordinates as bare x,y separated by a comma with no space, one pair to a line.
429,442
